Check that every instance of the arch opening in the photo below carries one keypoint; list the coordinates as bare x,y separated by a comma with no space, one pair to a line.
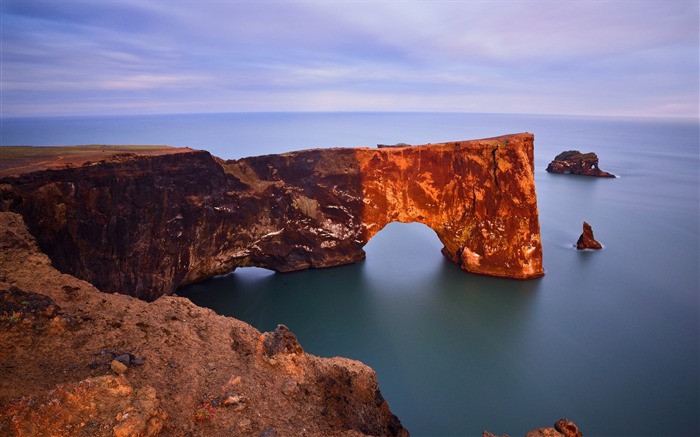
408,249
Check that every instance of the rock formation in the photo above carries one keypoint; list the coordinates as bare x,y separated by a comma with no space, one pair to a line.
197,373
575,162
586,240
562,428
144,224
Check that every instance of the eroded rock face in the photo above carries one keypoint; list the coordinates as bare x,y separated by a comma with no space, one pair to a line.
145,225
575,162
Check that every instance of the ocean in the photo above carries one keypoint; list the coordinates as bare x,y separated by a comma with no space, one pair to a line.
609,339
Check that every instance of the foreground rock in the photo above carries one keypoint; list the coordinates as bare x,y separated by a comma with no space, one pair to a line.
145,224
575,162
188,370
586,240
87,407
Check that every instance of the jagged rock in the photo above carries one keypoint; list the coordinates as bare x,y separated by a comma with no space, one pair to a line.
575,162
146,224
567,428
586,240
281,341
544,432
347,389
562,428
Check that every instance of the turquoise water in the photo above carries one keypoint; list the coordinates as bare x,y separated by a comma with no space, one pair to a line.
609,339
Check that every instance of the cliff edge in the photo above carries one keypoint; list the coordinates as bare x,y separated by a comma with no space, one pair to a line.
188,371
144,223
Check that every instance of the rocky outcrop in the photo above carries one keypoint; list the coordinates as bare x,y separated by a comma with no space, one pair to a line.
197,373
575,162
586,240
562,428
145,224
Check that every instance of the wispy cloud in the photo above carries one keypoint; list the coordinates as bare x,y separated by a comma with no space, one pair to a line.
583,56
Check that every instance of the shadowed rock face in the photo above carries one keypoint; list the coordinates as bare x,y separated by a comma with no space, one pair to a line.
145,225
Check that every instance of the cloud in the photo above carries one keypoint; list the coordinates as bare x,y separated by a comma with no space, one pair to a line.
584,56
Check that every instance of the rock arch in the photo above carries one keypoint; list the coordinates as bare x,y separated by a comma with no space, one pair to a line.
145,224
478,196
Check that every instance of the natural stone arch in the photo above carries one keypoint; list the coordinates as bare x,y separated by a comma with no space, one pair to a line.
478,196
145,224
413,243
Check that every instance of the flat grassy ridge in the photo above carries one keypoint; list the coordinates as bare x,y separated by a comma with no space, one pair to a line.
18,160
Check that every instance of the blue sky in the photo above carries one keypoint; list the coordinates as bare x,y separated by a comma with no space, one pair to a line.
593,57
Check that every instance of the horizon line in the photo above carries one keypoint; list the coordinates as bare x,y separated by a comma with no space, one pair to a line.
164,114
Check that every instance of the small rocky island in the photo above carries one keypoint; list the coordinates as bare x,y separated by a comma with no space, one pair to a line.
575,162
586,240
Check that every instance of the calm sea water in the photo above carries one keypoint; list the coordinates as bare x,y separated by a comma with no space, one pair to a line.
609,339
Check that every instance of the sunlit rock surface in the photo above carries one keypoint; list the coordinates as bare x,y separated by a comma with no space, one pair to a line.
146,223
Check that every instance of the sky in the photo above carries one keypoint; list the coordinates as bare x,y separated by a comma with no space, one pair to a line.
578,57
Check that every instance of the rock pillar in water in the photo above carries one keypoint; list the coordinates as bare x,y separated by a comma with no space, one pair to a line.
586,240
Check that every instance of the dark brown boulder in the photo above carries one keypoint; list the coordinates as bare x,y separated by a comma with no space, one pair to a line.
586,240
575,162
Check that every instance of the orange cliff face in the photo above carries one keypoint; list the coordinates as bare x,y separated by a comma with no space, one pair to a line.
145,224
478,196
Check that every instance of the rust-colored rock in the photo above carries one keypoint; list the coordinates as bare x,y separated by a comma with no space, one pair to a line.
562,428
72,409
575,162
567,428
586,240
280,341
204,374
145,224
478,196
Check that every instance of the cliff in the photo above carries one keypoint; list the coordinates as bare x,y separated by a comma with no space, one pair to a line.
190,372
145,221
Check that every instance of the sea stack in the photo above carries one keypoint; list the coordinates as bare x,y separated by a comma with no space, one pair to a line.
575,162
586,240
